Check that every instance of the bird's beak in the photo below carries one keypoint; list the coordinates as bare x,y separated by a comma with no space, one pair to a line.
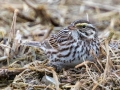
71,27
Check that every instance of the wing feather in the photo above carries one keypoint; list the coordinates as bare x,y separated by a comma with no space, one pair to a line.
56,39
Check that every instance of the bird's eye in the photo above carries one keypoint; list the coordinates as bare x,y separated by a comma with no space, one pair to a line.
83,26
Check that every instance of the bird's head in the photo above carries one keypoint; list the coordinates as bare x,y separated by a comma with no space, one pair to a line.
82,29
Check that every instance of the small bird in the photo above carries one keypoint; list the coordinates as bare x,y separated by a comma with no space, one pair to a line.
72,45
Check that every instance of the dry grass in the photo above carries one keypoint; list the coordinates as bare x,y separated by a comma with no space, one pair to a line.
24,67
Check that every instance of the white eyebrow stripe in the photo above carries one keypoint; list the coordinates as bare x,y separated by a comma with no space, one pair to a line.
90,25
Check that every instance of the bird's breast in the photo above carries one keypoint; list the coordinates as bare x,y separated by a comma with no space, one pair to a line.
73,54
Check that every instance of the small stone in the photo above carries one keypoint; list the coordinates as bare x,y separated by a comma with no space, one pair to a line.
47,80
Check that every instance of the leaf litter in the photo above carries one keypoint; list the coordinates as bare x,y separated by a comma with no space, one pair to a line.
24,67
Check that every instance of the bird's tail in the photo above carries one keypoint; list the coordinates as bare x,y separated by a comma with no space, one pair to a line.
42,45
31,43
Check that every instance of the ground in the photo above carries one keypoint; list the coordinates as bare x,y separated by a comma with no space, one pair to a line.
24,67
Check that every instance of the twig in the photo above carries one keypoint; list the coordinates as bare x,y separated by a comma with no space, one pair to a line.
8,72
56,79
21,15
3,58
42,13
48,33
101,6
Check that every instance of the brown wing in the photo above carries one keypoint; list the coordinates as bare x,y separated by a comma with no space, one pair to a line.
53,41
56,39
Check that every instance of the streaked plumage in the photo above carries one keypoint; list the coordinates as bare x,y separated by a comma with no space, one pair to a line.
72,45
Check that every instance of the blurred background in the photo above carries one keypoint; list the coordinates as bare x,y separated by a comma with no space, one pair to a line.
36,19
